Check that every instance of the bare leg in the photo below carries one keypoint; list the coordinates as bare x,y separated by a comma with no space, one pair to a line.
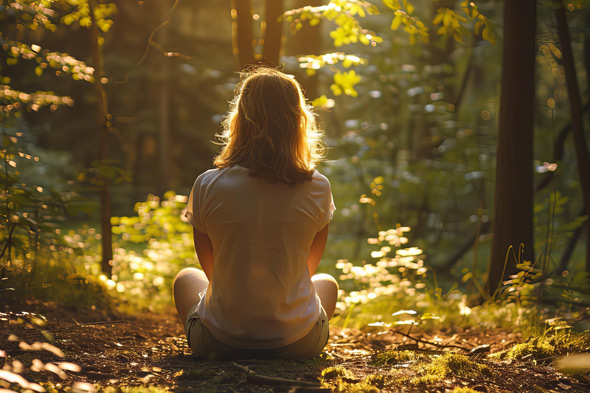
187,285
327,289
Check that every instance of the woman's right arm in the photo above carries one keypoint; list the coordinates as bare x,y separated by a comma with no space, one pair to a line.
204,249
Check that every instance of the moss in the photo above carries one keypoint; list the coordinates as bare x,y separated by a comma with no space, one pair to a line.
134,389
548,346
394,357
341,380
376,380
337,372
464,390
450,364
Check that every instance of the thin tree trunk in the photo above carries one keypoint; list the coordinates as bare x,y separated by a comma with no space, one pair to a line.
576,113
513,222
164,137
571,245
103,129
558,151
273,32
242,36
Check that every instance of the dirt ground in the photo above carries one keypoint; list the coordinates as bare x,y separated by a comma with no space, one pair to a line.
118,351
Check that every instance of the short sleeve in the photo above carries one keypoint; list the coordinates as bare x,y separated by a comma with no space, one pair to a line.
325,201
194,206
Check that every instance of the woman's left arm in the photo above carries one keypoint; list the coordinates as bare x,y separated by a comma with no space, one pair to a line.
204,249
317,249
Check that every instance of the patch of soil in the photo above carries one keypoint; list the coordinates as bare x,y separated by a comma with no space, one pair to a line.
151,350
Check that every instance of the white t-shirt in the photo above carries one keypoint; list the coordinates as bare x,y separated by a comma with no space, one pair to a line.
260,295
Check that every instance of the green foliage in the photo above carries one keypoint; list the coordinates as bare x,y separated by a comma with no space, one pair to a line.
31,14
81,14
553,343
403,15
30,209
344,14
311,63
375,290
21,15
341,380
394,357
448,365
344,83
133,389
150,249
61,62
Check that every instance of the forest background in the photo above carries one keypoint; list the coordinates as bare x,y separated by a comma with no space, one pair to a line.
109,110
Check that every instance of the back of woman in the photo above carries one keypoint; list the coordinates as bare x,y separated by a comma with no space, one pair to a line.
260,221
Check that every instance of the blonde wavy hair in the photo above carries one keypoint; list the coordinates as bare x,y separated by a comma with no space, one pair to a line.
270,128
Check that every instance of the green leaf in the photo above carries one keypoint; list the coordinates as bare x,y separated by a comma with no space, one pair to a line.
396,22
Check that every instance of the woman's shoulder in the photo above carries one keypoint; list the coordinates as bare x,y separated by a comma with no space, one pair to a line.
319,181
211,176
320,178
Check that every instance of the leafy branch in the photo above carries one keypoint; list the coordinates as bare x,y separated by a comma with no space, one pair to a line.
344,14
62,62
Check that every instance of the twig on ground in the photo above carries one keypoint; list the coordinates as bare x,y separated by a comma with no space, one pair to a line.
253,377
78,324
430,343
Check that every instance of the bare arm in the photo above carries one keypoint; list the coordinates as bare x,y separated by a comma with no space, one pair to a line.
317,249
204,250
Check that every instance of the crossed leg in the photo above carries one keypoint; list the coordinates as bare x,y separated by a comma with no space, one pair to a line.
190,282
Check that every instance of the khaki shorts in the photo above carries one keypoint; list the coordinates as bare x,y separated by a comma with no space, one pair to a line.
203,343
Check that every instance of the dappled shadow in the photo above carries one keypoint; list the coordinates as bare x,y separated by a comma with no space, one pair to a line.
151,350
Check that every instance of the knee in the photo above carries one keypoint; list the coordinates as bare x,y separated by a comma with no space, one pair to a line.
325,280
188,273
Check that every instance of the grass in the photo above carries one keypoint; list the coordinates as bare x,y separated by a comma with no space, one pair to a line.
394,357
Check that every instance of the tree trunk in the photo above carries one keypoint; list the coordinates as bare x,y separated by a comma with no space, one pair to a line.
273,32
103,129
242,37
513,222
576,113
164,109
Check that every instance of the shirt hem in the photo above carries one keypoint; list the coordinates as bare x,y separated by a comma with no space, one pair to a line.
266,345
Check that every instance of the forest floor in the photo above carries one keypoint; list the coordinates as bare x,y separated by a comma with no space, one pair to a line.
120,351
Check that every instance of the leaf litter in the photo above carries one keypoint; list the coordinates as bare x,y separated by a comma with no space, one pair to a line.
149,353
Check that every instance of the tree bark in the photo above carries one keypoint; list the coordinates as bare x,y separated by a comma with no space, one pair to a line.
273,33
164,109
103,130
573,91
513,222
242,36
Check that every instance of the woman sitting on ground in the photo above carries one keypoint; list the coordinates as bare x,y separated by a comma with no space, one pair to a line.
260,223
